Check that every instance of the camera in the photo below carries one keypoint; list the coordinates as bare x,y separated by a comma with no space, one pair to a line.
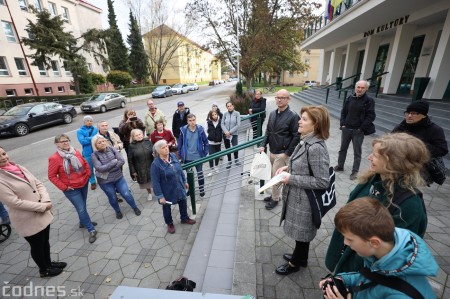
133,118
339,283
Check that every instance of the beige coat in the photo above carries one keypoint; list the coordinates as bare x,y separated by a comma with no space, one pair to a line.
25,202
116,142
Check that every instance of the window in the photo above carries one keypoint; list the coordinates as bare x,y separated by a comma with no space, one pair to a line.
65,14
72,88
55,68
291,74
2,2
61,89
28,91
47,89
20,64
3,67
37,5
10,36
42,70
307,61
52,9
23,5
89,65
10,92
68,73
306,74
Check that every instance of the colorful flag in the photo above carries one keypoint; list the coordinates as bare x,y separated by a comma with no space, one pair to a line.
335,4
329,11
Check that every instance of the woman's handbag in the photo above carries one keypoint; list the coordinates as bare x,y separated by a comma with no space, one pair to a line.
436,169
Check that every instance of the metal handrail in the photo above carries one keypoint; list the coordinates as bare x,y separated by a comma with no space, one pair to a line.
338,87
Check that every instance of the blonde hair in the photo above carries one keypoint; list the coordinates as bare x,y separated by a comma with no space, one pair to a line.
94,141
404,156
132,134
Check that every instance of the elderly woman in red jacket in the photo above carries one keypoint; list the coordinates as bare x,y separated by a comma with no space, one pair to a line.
70,172
30,212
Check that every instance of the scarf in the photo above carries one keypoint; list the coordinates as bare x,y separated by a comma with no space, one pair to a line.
69,158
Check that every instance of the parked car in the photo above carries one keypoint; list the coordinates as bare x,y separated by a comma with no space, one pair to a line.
310,83
213,82
103,102
162,91
180,88
192,86
21,119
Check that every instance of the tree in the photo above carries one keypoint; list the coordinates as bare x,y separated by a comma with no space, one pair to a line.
265,34
138,58
48,39
119,78
117,52
97,79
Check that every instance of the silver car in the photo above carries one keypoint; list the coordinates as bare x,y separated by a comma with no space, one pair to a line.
180,88
103,102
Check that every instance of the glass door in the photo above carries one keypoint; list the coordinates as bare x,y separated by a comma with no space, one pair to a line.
409,70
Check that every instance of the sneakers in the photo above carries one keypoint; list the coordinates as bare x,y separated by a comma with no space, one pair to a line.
170,228
237,162
229,165
60,265
188,221
217,170
271,204
210,173
82,225
354,175
137,211
338,168
5,220
119,215
50,272
93,186
149,197
268,198
92,236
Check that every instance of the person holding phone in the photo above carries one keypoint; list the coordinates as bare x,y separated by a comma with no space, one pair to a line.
169,184
129,122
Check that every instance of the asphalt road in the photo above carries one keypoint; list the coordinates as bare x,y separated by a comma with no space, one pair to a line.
33,150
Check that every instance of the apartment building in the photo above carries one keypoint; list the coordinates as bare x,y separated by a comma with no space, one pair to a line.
312,60
16,71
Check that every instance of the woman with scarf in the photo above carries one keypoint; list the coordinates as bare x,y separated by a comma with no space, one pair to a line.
70,173
308,168
108,164
257,105
30,210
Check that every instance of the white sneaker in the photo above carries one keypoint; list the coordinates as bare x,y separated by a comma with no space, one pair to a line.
211,173
149,197
217,170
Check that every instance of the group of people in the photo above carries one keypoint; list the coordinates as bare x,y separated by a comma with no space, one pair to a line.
380,228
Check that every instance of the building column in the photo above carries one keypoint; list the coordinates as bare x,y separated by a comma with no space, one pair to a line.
400,47
440,72
350,61
335,64
370,55
324,66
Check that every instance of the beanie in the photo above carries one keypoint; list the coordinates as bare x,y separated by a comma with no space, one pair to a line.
419,107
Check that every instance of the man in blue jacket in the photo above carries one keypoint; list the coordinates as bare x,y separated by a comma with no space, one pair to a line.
193,145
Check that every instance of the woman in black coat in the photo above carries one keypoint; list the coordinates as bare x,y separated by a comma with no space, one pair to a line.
140,159
215,133
257,105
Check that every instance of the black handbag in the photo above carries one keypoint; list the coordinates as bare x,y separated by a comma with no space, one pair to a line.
436,169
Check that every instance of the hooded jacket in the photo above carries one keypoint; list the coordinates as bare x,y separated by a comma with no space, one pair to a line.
85,135
410,260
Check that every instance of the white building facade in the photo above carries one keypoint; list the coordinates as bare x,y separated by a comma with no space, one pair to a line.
16,71
405,39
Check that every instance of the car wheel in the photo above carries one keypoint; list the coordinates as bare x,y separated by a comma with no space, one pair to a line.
102,109
21,129
67,118
164,96
122,104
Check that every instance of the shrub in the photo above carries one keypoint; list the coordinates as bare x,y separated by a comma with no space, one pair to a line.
97,79
239,90
86,85
242,102
119,78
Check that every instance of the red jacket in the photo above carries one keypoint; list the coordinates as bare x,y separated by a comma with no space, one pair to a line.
166,135
60,179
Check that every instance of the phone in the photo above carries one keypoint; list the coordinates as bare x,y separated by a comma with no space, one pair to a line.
134,118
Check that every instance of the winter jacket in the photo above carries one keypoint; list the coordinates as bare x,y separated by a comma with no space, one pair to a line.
109,162
126,128
431,134
166,135
140,159
178,123
297,213
26,202
231,122
60,179
359,113
85,135
282,132
168,180
410,260
149,121
202,144
214,132
410,215
258,106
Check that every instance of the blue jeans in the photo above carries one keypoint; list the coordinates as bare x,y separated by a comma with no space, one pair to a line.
356,137
92,179
167,211
78,198
3,212
122,187
201,178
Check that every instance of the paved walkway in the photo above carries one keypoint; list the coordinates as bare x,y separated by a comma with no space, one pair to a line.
136,251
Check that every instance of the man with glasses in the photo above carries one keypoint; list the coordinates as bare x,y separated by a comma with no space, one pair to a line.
418,124
282,137
357,117
152,115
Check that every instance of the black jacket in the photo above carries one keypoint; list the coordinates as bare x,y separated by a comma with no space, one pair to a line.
431,134
140,159
214,132
258,106
282,132
177,122
359,113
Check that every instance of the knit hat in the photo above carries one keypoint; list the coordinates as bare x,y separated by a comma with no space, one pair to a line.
419,107
87,117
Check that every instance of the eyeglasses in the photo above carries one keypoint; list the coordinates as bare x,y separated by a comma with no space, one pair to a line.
281,98
64,141
412,113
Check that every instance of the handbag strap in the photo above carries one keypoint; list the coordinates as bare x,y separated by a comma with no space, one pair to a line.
392,282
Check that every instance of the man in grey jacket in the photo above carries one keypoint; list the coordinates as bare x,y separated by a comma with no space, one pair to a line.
282,137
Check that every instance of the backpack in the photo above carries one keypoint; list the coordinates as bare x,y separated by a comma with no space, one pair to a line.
182,284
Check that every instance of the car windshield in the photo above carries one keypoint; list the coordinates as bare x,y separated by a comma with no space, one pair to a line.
160,88
18,110
97,97
177,86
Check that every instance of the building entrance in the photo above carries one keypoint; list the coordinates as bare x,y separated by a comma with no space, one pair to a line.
409,70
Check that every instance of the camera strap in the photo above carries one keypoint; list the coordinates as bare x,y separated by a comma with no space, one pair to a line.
392,282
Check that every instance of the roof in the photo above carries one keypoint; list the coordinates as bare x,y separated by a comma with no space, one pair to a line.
85,3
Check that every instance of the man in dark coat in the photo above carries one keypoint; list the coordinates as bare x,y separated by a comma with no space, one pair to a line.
357,117
179,119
